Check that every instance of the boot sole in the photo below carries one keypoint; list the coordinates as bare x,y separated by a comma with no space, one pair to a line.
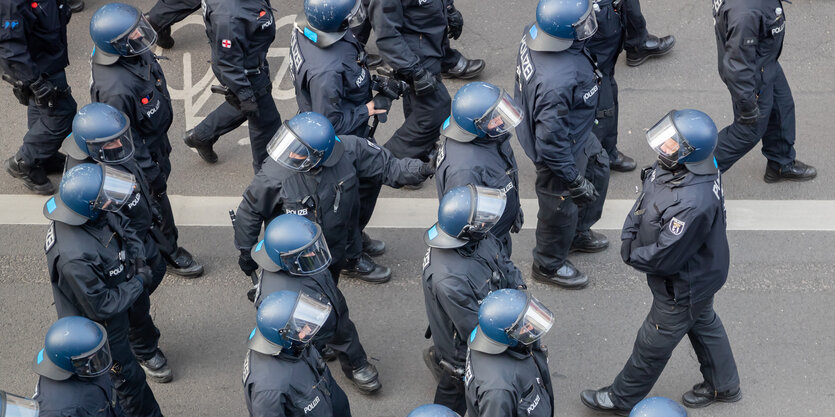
185,273
447,75
772,180
363,278
368,391
733,399
209,159
545,280
637,62
587,250
156,378
613,411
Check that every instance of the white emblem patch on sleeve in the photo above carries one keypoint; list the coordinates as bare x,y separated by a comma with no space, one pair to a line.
676,226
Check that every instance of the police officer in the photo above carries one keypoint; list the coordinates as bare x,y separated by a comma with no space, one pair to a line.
454,64
283,374
411,37
675,233
72,368
640,44
314,174
96,266
33,55
463,264
103,134
13,405
240,34
477,150
507,367
749,40
432,410
295,257
557,83
605,45
658,407
127,76
165,14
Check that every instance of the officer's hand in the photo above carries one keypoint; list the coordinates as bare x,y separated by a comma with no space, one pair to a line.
455,22
427,169
249,108
246,263
517,224
144,273
749,117
625,249
423,82
44,92
582,191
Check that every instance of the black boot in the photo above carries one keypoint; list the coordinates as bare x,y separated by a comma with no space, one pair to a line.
567,276
365,269
157,368
601,400
589,242
372,247
703,395
366,379
76,6
203,147
55,164
795,171
622,163
465,69
183,264
164,39
34,178
654,46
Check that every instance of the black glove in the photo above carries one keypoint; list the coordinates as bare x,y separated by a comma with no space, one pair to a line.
20,89
144,273
455,22
423,82
247,264
44,92
748,116
249,108
427,169
382,102
517,224
625,249
582,191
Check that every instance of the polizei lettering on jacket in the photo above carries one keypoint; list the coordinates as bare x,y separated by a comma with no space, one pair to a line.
312,405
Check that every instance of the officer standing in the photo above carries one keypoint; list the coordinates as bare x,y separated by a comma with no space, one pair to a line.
33,56
464,263
240,34
749,40
73,369
507,367
13,405
411,37
102,134
127,76
315,174
640,44
477,150
96,266
283,375
675,233
295,257
605,46
557,82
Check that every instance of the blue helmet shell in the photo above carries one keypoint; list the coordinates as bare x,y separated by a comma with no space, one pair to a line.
498,312
273,314
328,15
80,187
110,22
432,410
67,338
287,233
699,130
471,102
95,121
317,131
658,407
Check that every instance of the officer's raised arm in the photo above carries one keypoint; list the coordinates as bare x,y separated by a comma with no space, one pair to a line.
376,162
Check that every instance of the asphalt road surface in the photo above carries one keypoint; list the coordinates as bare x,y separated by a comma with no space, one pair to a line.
776,306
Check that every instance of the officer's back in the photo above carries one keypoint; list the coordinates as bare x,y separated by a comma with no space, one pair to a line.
77,397
741,24
509,384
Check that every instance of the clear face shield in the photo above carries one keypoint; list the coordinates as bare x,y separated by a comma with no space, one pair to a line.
533,323
13,406
290,150
116,189
357,16
587,26
93,363
308,317
137,40
113,150
665,139
309,259
501,117
489,206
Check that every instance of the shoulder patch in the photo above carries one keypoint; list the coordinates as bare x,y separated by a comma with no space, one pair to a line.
50,237
676,226
426,258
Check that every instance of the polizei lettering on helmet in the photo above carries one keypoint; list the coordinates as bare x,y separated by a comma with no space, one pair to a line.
312,405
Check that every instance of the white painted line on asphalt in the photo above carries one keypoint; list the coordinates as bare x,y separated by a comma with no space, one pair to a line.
418,213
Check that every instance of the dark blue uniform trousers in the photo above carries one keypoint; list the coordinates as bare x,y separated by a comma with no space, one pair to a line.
606,45
48,126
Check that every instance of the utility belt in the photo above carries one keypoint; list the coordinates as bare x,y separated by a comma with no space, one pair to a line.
606,113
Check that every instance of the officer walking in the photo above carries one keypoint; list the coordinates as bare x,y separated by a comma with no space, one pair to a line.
14,405
605,46
283,375
507,367
73,369
463,264
749,40
102,134
477,150
411,37
127,76
240,34
557,82
640,44
315,174
96,266
295,257
33,56
454,64
675,233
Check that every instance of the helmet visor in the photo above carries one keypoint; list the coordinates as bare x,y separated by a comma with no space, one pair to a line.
93,363
489,206
357,16
290,150
533,323
112,150
308,317
137,40
309,259
502,116
587,26
665,139
116,189
14,406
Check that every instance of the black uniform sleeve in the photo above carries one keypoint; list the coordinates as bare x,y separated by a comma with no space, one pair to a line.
260,200
497,402
14,51
459,303
682,234
552,133
97,301
740,59
630,228
387,20
374,162
267,404
135,246
325,99
229,59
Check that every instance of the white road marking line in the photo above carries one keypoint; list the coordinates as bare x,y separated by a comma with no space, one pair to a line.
419,213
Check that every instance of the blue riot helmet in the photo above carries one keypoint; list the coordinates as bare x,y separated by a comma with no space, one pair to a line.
559,23
101,132
305,142
118,30
465,213
325,22
73,346
85,190
480,109
294,244
658,407
285,319
685,137
432,410
15,406
507,318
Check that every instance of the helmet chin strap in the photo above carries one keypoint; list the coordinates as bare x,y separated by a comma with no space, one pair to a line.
669,164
